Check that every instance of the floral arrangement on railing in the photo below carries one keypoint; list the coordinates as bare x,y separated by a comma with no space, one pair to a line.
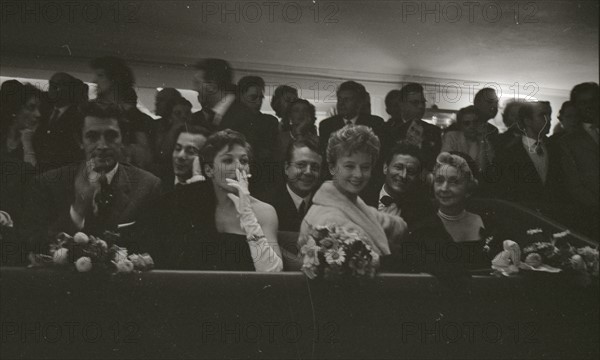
551,254
333,252
89,253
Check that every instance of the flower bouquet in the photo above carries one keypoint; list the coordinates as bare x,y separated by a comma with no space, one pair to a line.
557,255
89,253
332,252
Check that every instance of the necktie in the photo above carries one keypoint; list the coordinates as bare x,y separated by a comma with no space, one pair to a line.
538,148
386,200
54,117
302,209
209,115
104,198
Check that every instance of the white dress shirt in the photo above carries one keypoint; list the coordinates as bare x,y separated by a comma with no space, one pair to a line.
392,208
353,120
221,108
297,199
539,158
593,131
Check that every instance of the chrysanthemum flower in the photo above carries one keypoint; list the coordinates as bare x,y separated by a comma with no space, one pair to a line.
335,256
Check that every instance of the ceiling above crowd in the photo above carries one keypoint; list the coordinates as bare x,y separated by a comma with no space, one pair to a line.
552,43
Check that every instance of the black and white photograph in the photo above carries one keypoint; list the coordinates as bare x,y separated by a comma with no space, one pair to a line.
299,179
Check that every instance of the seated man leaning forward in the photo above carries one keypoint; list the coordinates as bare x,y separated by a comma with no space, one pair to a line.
189,143
98,194
351,154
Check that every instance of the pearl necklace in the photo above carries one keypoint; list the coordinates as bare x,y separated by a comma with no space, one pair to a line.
452,217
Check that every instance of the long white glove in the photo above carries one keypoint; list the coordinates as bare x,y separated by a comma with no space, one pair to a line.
5,219
264,257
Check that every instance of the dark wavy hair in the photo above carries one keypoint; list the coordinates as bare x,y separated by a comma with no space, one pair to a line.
13,97
117,71
217,70
309,141
279,92
102,110
224,139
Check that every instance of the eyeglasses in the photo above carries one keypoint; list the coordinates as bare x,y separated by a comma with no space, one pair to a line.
303,165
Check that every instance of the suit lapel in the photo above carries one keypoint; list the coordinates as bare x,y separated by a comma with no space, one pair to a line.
587,142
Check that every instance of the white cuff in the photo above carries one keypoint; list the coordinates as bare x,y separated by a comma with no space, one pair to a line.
264,257
77,219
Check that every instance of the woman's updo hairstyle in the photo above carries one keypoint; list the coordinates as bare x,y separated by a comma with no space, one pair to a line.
350,140
462,162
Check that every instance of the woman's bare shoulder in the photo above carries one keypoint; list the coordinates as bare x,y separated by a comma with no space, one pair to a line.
262,208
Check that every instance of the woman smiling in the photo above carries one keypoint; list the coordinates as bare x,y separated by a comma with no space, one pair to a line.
351,154
450,240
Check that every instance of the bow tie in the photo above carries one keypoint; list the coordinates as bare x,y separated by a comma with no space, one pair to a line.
386,200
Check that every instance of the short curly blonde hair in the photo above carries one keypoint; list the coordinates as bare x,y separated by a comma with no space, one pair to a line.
352,139
458,162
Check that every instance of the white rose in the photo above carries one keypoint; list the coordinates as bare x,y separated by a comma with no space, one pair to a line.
61,256
81,238
124,266
83,264
102,244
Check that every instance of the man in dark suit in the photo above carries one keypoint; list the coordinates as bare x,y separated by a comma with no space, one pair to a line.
213,81
302,169
393,107
261,131
350,99
98,194
55,139
580,159
189,143
412,129
528,166
404,193
509,118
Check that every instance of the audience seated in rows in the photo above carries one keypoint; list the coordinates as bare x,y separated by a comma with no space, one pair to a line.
386,164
